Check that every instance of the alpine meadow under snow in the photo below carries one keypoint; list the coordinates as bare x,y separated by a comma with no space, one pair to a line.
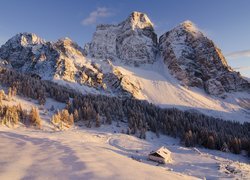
97,112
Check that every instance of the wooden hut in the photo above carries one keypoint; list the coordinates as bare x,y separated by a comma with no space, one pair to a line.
162,155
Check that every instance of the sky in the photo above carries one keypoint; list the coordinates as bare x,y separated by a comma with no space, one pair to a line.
226,22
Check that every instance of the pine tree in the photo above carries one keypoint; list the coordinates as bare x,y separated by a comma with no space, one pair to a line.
35,119
2,95
76,115
14,91
97,120
210,142
235,145
65,116
41,100
225,147
71,119
9,93
11,116
189,139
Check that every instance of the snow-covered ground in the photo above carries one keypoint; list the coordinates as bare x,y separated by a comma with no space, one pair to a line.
76,154
46,111
104,153
160,87
100,153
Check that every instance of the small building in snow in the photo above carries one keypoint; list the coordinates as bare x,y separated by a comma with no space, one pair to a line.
162,155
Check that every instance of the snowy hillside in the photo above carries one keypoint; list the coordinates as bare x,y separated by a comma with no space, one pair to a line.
102,154
159,87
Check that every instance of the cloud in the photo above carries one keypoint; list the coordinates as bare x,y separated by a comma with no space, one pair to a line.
238,54
100,12
242,68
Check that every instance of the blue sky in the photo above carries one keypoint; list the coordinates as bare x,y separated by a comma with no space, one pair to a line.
224,21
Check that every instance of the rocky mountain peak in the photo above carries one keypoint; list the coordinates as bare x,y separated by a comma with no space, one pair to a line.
138,20
66,40
132,41
196,61
188,28
67,46
188,25
28,53
25,39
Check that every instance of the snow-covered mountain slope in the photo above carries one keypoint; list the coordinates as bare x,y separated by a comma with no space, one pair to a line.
159,87
103,154
196,61
133,41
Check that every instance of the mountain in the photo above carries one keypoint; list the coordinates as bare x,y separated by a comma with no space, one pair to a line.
64,62
184,69
64,59
196,61
132,41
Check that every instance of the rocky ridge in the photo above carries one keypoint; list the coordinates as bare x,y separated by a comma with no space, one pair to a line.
63,60
196,61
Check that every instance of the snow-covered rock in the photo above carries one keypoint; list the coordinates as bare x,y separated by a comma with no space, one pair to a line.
122,84
133,41
27,52
63,60
196,61
214,87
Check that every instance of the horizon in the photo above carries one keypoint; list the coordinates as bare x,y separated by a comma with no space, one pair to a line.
78,21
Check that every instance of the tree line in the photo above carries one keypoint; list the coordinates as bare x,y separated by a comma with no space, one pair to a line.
191,127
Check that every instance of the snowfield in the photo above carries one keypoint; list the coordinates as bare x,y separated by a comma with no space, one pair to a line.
100,153
159,87
74,154
155,84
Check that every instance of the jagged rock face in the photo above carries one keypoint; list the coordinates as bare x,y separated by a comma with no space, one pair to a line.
29,53
121,84
196,61
72,65
133,41
64,59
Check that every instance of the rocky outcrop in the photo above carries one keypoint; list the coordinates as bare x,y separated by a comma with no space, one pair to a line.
122,84
73,66
133,41
196,61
